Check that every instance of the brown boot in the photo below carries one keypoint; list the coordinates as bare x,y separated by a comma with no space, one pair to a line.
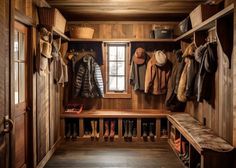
92,126
112,130
106,129
96,134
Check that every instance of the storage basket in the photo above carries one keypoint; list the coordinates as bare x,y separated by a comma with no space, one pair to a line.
228,2
52,17
185,25
161,33
201,13
81,32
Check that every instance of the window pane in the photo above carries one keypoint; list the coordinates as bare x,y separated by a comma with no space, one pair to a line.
16,84
121,53
121,83
21,46
112,53
121,68
21,82
16,45
112,68
112,83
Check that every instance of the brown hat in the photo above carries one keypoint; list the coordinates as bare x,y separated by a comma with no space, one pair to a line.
139,56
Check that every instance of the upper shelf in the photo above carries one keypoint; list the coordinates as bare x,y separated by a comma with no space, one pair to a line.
207,24
124,40
63,36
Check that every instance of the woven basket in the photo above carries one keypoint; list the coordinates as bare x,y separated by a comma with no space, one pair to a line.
52,17
81,32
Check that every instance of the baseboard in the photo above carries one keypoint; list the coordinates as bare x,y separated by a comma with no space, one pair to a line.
43,162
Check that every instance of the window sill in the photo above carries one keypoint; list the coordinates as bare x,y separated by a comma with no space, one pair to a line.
117,96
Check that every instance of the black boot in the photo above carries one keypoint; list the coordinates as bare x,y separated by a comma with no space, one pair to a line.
68,130
130,130
145,131
151,131
74,134
126,129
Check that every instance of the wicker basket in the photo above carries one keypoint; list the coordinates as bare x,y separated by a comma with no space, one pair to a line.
81,32
201,13
52,17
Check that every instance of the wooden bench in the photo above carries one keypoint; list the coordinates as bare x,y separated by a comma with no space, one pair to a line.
214,151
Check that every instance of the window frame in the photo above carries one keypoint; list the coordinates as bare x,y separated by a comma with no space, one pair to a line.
116,94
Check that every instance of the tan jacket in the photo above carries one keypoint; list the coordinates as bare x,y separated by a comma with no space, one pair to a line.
156,78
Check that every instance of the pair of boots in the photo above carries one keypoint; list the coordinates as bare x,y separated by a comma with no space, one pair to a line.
94,125
181,147
145,130
129,131
112,130
68,131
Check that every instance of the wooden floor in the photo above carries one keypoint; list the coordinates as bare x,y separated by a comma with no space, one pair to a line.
78,154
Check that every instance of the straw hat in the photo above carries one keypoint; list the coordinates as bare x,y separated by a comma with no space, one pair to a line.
45,49
160,58
139,56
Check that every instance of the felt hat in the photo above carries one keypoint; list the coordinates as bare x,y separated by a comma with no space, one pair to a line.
46,49
189,51
139,56
45,34
56,45
160,58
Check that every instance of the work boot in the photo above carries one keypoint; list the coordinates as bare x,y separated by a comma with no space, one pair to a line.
68,130
92,126
151,130
145,131
112,129
74,134
130,129
96,134
106,130
134,132
126,128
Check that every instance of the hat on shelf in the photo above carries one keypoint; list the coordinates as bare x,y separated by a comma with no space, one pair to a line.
160,57
46,49
139,56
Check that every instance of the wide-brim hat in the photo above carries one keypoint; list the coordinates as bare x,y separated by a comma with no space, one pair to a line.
189,51
139,56
45,34
46,49
160,57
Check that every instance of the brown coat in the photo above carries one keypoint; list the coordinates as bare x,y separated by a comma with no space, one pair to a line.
156,78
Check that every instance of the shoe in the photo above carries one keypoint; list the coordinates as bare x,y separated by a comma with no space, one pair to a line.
74,134
151,130
112,129
134,132
92,126
144,130
126,128
106,129
130,129
96,134
68,130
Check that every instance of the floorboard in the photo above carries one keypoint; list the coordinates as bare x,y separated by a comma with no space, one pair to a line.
87,154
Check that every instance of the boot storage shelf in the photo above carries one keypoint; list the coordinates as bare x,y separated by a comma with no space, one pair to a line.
197,146
154,118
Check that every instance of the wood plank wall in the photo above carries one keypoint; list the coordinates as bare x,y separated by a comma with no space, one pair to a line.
234,81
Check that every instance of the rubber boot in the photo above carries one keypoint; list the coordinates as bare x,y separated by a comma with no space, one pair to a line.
112,130
68,130
144,131
92,126
106,130
130,129
151,131
74,134
126,129
96,134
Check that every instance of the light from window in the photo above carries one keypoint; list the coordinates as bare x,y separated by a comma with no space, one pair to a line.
116,67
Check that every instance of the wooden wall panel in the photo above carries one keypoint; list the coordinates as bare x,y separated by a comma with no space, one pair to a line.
234,81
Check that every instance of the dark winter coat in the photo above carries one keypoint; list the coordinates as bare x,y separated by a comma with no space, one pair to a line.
88,80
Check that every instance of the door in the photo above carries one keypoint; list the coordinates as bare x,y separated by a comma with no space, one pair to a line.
20,93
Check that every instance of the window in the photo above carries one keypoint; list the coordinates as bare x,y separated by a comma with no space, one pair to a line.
117,69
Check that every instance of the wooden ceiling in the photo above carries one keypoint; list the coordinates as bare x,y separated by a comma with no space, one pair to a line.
125,10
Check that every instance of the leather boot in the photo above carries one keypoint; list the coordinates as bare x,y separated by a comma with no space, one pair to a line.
145,130
74,134
130,129
151,130
112,130
92,126
96,135
106,129
134,132
126,128
68,130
